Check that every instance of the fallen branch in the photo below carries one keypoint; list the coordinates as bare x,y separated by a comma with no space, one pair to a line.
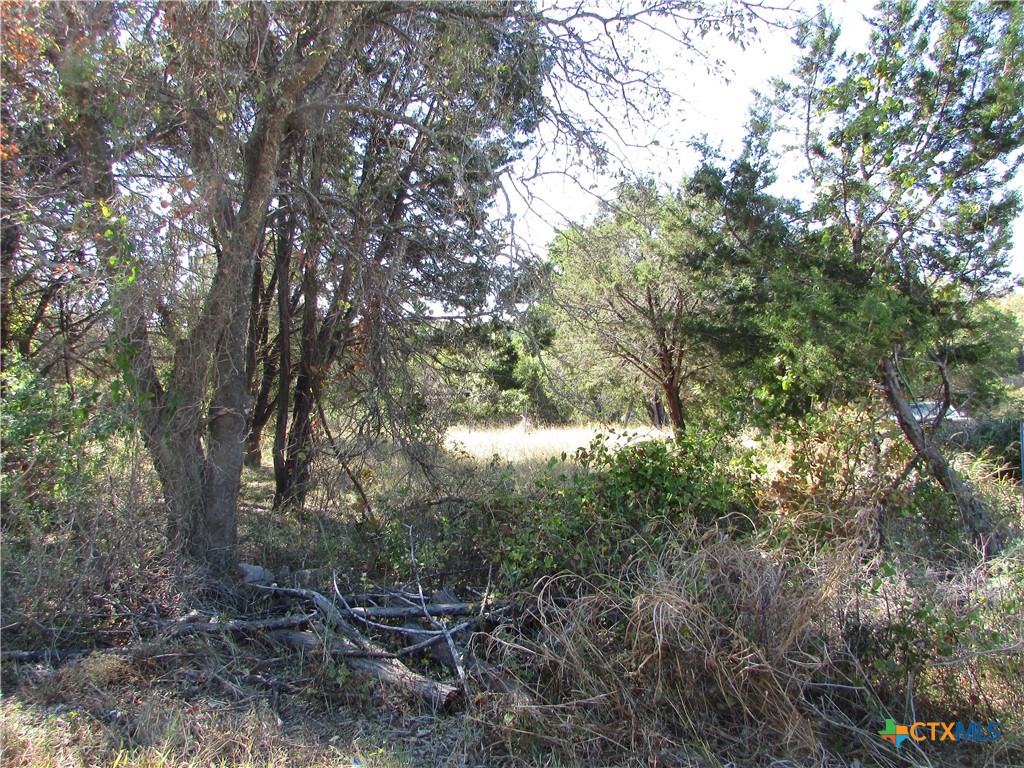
456,656
413,611
361,655
240,626
330,611
383,668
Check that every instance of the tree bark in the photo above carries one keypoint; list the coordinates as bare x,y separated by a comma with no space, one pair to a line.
283,254
200,487
290,491
676,412
975,519
656,410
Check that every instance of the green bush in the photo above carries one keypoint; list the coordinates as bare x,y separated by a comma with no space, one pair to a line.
617,502
52,437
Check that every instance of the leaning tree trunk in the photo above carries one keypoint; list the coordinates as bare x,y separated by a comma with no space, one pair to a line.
975,519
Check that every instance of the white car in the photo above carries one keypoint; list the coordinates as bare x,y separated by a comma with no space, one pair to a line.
926,411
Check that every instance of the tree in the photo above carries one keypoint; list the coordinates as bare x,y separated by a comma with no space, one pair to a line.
909,145
327,167
656,284
48,315
390,214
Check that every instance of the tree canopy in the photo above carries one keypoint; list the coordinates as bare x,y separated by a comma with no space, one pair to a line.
240,207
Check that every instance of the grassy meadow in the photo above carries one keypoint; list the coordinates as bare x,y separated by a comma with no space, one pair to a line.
529,448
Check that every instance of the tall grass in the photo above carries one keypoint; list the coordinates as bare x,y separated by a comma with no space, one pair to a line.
786,642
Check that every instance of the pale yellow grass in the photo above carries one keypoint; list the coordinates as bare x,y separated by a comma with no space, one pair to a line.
69,737
533,445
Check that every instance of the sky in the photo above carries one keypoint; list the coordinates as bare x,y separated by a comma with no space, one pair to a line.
715,105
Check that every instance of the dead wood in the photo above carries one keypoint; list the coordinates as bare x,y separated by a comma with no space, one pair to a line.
973,515
334,618
414,611
378,666
240,626
361,655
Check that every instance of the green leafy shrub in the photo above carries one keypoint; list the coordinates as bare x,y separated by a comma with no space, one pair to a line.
52,438
616,502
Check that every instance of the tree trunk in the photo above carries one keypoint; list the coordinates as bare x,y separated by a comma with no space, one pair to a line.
262,410
290,492
676,412
975,519
260,358
656,411
228,425
200,490
10,241
253,449
283,255
291,486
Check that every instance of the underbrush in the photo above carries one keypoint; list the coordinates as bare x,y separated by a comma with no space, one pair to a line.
84,552
686,603
793,637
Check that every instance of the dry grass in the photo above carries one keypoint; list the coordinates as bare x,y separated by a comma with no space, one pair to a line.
535,446
708,654
767,648
789,646
195,703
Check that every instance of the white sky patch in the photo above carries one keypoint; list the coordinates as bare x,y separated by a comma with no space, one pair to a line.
711,105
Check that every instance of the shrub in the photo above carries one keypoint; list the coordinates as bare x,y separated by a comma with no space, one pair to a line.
52,437
792,639
83,534
612,503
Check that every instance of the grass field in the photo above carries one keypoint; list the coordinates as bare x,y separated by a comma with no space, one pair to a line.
536,445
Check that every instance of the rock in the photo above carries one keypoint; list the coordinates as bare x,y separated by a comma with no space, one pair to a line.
255,574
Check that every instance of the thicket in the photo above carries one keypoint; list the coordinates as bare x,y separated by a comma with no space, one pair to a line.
697,599
687,602
222,217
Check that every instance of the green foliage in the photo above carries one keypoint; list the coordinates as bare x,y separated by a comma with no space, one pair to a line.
910,143
656,292
492,374
841,605
52,437
984,351
908,146
906,620
613,504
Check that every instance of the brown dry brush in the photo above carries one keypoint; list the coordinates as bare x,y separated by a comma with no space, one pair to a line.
710,651
749,647
92,570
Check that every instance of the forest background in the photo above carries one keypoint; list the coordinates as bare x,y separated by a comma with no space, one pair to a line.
728,471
